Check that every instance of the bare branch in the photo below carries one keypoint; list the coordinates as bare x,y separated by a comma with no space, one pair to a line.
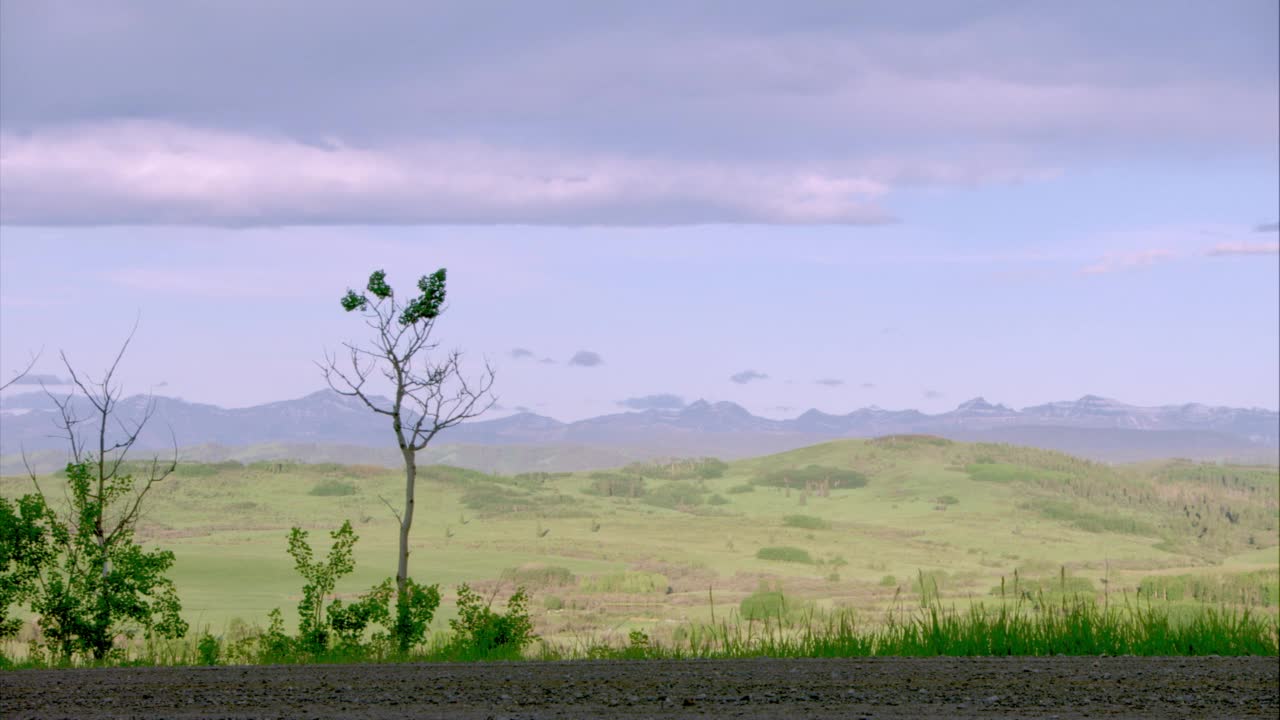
67,422
31,473
23,372
156,474
391,508
354,388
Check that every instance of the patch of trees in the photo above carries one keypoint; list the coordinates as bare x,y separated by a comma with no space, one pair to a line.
817,480
616,484
701,468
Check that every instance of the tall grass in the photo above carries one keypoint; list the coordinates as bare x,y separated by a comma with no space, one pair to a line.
1066,626
1072,627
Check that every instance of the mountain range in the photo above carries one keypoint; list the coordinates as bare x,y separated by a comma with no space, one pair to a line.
1091,426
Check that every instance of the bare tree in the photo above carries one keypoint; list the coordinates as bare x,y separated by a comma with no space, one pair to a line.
106,578
428,395
107,449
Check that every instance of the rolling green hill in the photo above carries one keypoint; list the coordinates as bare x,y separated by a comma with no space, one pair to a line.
845,524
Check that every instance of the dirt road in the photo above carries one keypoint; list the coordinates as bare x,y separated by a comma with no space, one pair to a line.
877,688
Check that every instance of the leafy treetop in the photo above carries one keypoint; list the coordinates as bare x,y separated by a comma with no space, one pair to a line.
426,306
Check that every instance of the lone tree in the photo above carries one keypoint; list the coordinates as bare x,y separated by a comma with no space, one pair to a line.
428,396
84,573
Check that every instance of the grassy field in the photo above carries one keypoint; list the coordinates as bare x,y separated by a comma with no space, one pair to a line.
857,525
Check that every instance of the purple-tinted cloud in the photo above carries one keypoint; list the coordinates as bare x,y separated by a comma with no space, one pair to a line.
149,173
586,358
1245,248
1117,261
746,376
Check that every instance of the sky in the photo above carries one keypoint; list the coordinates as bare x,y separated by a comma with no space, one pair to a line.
821,205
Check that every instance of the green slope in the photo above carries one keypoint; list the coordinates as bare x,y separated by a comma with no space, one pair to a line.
654,545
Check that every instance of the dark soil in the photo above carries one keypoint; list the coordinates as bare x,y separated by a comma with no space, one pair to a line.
819,688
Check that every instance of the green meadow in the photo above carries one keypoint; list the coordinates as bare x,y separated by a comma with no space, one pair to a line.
649,553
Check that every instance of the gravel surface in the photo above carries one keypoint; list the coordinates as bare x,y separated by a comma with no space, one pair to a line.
810,688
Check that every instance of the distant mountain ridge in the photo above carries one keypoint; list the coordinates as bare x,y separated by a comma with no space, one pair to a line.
702,427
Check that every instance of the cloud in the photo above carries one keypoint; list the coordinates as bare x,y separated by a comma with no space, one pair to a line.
1267,227
546,361
1244,248
520,353
867,386
37,379
754,116
1118,261
523,409
586,358
747,376
830,382
933,394
156,173
661,401
1038,74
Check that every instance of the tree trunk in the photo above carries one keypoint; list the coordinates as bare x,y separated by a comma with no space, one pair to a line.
406,522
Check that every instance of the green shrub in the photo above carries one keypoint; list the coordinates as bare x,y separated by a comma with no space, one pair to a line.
479,632
537,575
811,476
948,500
1089,521
674,495
717,499
808,522
888,581
770,603
551,602
631,582
739,489
330,487
209,649
785,554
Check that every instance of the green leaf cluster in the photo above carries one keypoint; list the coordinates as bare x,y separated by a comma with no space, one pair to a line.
481,632
342,625
88,583
427,306
25,550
